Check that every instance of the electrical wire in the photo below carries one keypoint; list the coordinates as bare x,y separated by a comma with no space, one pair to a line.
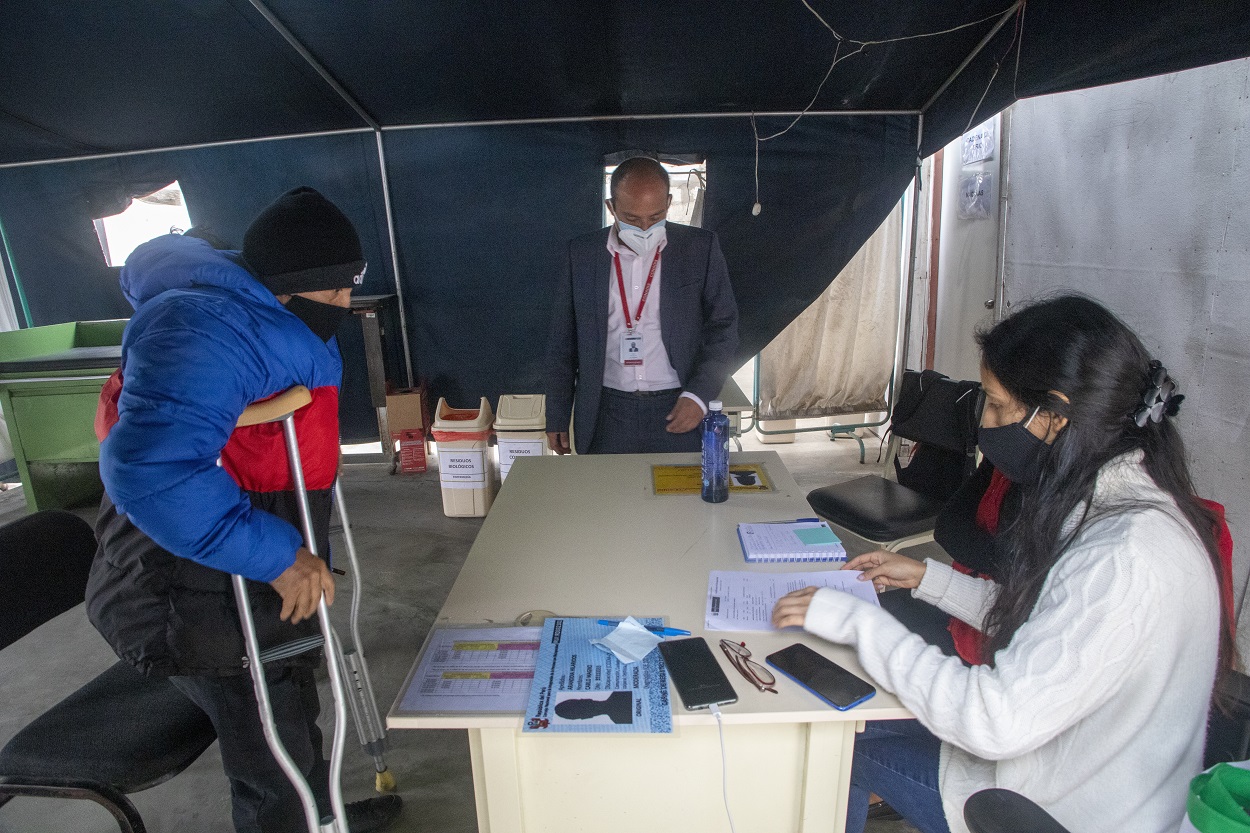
998,65
724,767
860,46
905,37
1020,48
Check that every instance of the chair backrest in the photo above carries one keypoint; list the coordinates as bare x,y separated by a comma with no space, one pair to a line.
934,409
45,559
941,415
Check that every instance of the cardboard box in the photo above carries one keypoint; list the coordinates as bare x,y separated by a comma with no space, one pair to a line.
412,452
408,410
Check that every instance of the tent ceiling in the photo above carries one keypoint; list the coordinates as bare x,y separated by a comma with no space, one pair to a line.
470,241
95,78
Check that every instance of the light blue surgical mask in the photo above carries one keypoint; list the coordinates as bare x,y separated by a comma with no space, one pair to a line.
641,241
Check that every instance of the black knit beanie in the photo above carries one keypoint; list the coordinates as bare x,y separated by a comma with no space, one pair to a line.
303,243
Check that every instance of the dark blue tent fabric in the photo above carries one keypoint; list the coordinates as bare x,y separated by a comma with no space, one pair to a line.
481,211
482,215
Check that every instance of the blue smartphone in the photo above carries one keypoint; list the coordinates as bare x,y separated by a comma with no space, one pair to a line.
821,676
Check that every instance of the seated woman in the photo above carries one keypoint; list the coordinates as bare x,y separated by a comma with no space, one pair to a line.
1103,632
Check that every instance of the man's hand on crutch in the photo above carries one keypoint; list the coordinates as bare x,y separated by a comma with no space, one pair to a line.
301,586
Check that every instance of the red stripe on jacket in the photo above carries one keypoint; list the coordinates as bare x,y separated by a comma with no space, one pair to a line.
255,456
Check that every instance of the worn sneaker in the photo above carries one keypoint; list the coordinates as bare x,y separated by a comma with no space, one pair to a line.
373,814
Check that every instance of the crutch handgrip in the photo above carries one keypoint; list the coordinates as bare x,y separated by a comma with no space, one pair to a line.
276,407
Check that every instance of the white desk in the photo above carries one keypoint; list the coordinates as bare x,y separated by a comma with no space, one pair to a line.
585,536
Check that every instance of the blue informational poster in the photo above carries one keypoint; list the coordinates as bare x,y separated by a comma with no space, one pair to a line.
580,687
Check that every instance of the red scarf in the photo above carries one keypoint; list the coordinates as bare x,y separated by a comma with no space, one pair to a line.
969,640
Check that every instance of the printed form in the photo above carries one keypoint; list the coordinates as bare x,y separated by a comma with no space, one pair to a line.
739,601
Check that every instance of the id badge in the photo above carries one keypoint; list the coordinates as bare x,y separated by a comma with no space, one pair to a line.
631,348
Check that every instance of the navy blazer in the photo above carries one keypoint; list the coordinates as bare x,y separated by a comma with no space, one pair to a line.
698,322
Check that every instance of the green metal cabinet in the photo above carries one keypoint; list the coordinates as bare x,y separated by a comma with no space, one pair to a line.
50,380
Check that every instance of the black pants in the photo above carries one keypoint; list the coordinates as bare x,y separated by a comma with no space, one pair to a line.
264,800
920,618
633,423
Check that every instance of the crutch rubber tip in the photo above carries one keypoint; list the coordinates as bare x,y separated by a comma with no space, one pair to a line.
384,782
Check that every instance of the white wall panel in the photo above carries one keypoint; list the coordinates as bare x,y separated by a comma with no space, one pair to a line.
1138,194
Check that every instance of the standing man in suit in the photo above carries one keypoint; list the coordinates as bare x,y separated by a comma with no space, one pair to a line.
644,327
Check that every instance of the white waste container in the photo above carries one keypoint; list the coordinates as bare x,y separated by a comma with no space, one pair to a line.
521,427
468,479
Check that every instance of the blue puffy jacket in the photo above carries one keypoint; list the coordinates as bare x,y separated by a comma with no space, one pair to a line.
207,339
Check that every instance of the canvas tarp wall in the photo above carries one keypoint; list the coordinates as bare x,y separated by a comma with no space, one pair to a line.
480,211
481,216
1140,197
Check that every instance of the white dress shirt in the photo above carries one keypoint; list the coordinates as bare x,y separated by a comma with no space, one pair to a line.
656,371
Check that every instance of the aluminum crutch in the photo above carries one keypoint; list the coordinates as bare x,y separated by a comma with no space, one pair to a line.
369,725
282,408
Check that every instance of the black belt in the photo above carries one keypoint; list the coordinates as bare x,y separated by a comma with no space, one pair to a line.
641,393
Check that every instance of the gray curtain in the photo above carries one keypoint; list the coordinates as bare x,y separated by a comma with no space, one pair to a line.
837,356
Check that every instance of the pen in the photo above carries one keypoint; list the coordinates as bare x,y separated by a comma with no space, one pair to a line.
795,521
655,629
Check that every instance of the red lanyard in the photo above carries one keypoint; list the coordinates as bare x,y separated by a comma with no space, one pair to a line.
620,283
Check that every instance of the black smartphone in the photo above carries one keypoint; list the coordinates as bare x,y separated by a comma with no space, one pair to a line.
696,674
821,676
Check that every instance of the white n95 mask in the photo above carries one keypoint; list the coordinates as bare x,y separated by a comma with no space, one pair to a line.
641,241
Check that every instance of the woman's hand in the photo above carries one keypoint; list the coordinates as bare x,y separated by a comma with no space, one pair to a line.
887,569
791,609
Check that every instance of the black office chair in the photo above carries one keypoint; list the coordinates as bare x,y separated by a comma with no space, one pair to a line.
1228,739
120,733
940,415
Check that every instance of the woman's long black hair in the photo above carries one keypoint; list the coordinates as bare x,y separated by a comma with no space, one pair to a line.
1075,346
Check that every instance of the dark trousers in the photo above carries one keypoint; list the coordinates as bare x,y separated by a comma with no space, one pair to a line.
633,423
920,618
264,800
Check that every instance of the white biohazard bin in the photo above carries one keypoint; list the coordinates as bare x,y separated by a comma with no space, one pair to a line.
467,477
521,426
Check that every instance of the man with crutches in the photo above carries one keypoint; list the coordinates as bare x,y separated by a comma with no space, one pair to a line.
213,332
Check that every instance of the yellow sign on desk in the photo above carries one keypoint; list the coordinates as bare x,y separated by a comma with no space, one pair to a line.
688,480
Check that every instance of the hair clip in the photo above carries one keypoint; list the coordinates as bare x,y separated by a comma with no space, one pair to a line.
1159,399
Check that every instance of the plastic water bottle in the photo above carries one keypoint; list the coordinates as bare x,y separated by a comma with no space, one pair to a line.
715,454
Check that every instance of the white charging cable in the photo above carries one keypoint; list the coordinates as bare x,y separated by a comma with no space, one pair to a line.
724,767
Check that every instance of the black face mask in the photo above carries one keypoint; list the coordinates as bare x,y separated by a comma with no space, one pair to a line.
1014,450
322,319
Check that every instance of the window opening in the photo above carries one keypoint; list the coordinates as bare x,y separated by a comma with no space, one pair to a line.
160,212
687,184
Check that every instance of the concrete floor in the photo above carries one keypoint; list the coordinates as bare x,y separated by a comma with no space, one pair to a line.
411,554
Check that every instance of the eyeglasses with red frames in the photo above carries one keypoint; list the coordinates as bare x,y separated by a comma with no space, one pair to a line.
740,657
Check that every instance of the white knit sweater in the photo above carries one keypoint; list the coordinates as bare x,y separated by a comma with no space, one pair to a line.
1097,709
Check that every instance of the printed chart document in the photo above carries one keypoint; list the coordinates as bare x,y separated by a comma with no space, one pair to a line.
688,480
808,539
579,687
745,601
485,669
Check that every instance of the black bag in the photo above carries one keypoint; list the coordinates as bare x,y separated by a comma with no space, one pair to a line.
941,415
